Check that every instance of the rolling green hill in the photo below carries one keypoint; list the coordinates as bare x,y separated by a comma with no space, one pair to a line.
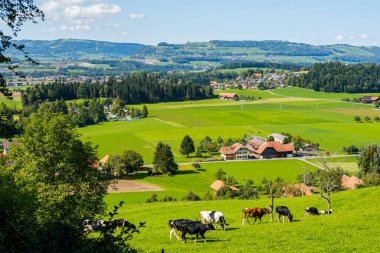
200,53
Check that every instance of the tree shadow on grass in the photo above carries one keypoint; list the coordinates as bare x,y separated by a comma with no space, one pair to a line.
186,172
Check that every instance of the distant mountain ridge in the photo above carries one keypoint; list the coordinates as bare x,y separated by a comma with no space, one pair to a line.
215,51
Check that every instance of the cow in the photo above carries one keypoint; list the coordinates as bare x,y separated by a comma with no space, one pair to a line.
116,223
95,225
209,217
326,211
311,210
253,212
195,228
175,225
283,211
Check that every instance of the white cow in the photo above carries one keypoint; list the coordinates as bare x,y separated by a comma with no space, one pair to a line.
210,217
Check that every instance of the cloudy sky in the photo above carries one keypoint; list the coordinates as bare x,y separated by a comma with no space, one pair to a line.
178,21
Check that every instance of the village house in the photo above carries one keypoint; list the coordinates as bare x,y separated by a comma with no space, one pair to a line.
228,96
369,99
214,84
235,152
274,149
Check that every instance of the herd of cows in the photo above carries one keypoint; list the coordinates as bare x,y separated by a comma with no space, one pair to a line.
206,222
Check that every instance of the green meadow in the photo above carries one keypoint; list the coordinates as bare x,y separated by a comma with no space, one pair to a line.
320,117
353,226
188,179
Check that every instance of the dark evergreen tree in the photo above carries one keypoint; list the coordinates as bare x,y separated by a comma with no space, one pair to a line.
187,146
144,112
164,160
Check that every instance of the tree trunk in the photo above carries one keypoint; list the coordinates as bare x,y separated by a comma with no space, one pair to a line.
271,201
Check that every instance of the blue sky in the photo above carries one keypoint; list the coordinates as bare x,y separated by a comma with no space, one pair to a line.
151,21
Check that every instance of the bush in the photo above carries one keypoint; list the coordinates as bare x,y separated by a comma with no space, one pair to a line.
208,196
191,197
196,166
367,119
370,180
152,199
352,150
226,193
377,119
357,119
167,199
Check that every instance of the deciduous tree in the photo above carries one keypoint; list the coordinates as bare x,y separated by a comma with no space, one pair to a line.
187,146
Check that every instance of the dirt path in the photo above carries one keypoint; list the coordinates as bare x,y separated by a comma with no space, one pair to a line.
133,186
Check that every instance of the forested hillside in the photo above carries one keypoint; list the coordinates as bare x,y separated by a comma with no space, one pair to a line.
133,88
340,77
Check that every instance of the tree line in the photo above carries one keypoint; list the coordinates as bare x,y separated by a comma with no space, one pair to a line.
133,89
340,77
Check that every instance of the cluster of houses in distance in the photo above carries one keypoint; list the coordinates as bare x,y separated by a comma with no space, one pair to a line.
258,148
369,99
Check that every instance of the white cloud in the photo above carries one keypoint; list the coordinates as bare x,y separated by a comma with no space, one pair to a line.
113,24
124,33
76,15
339,37
92,11
136,16
352,37
364,36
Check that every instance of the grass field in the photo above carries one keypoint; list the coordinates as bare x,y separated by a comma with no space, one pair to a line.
348,163
187,179
353,226
325,120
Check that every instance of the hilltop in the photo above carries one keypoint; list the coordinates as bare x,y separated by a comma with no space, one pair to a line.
212,53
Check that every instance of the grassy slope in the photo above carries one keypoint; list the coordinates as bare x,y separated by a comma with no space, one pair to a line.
326,120
187,179
353,227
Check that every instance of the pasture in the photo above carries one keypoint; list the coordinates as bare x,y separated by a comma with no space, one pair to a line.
325,120
353,226
188,179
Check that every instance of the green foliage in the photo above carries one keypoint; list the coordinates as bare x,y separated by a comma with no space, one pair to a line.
270,138
208,195
144,113
167,198
8,123
369,160
220,174
225,193
191,196
248,192
196,166
132,161
357,118
340,77
164,160
187,146
152,198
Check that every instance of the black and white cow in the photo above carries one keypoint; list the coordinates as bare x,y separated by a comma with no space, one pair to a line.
175,226
95,225
326,211
116,223
283,211
311,210
195,228
210,217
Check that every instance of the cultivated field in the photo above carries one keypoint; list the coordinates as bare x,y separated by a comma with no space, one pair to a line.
320,117
353,226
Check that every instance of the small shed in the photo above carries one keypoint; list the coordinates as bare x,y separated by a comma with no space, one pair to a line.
218,184
350,182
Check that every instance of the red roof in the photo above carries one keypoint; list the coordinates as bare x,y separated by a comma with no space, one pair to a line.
218,184
255,143
278,146
104,159
231,150
350,182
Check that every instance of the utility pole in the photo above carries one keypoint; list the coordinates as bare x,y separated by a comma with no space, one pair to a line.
271,200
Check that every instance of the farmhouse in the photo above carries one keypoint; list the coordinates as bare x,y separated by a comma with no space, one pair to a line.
228,96
218,184
274,149
255,143
278,137
369,99
235,152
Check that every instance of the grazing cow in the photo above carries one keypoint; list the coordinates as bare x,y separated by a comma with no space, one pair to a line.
326,211
116,223
176,225
195,228
209,217
253,212
312,210
283,211
95,225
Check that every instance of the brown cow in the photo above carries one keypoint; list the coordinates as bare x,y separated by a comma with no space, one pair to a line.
253,212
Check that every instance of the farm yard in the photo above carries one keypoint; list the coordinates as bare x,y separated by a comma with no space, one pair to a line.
353,226
317,116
